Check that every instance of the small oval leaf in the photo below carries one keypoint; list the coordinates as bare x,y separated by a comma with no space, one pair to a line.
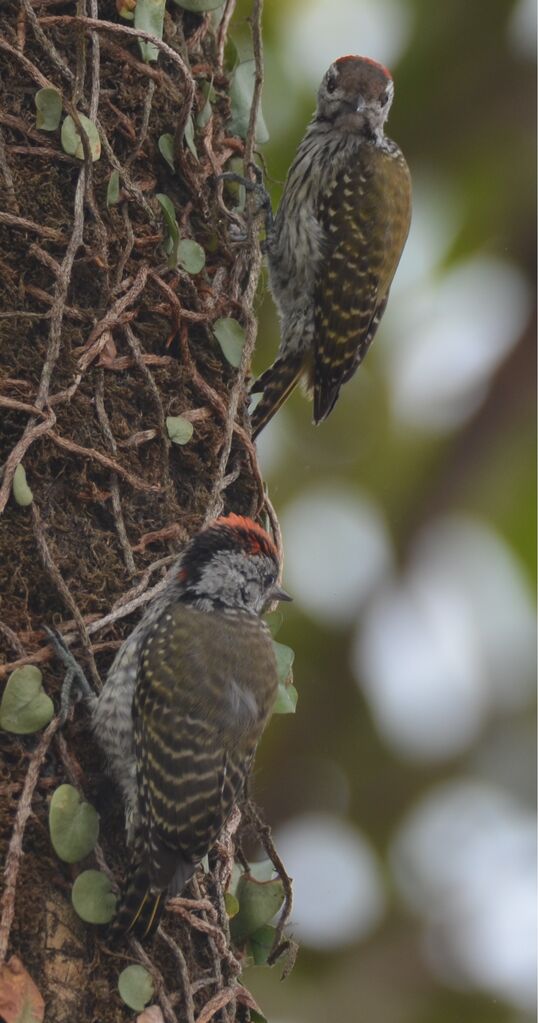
171,242
231,338
92,897
258,903
286,699
189,137
25,707
72,142
241,92
149,17
231,904
284,661
135,986
166,149
179,430
191,256
49,109
21,491
73,824
113,189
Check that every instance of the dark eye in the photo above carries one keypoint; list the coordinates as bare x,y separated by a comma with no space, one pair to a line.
331,84
383,99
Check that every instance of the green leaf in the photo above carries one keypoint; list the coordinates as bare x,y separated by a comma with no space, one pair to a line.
189,137
72,142
191,256
21,491
179,430
284,661
231,338
135,986
241,92
92,897
171,242
49,109
258,903
113,189
73,824
166,149
257,1017
25,707
274,622
286,699
210,97
199,6
260,944
231,904
149,16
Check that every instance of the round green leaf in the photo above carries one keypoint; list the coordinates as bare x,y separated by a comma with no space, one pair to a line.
231,338
258,903
191,256
72,142
92,897
166,149
21,491
113,189
179,430
73,824
135,987
24,707
49,109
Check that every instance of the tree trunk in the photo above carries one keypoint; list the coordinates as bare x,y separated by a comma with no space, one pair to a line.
102,339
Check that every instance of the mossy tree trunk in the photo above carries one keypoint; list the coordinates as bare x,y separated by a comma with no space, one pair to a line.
100,341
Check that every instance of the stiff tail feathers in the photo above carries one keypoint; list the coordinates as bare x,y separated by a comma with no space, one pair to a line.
139,910
276,384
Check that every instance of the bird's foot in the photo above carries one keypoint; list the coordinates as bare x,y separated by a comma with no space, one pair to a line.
75,685
259,190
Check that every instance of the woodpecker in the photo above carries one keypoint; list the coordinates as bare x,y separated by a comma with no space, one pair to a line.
184,706
336,240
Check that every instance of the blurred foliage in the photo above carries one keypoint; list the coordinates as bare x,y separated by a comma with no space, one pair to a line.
464,115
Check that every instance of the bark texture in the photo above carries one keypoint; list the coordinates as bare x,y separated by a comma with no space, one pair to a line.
100,342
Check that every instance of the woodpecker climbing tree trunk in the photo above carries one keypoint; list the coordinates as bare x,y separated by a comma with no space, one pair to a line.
105,333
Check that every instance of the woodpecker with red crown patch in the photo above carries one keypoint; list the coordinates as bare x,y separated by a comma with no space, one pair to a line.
336,240
184,706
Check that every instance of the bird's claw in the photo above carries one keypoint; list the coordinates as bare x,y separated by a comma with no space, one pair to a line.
257,187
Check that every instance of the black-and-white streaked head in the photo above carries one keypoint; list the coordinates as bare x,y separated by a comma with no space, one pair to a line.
233,563
356,94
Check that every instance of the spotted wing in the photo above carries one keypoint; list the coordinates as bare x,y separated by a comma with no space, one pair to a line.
365,214
195,734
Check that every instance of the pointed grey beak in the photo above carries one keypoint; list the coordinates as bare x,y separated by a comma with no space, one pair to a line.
361,103
277,593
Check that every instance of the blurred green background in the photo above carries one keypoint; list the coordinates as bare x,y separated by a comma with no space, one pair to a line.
402,792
